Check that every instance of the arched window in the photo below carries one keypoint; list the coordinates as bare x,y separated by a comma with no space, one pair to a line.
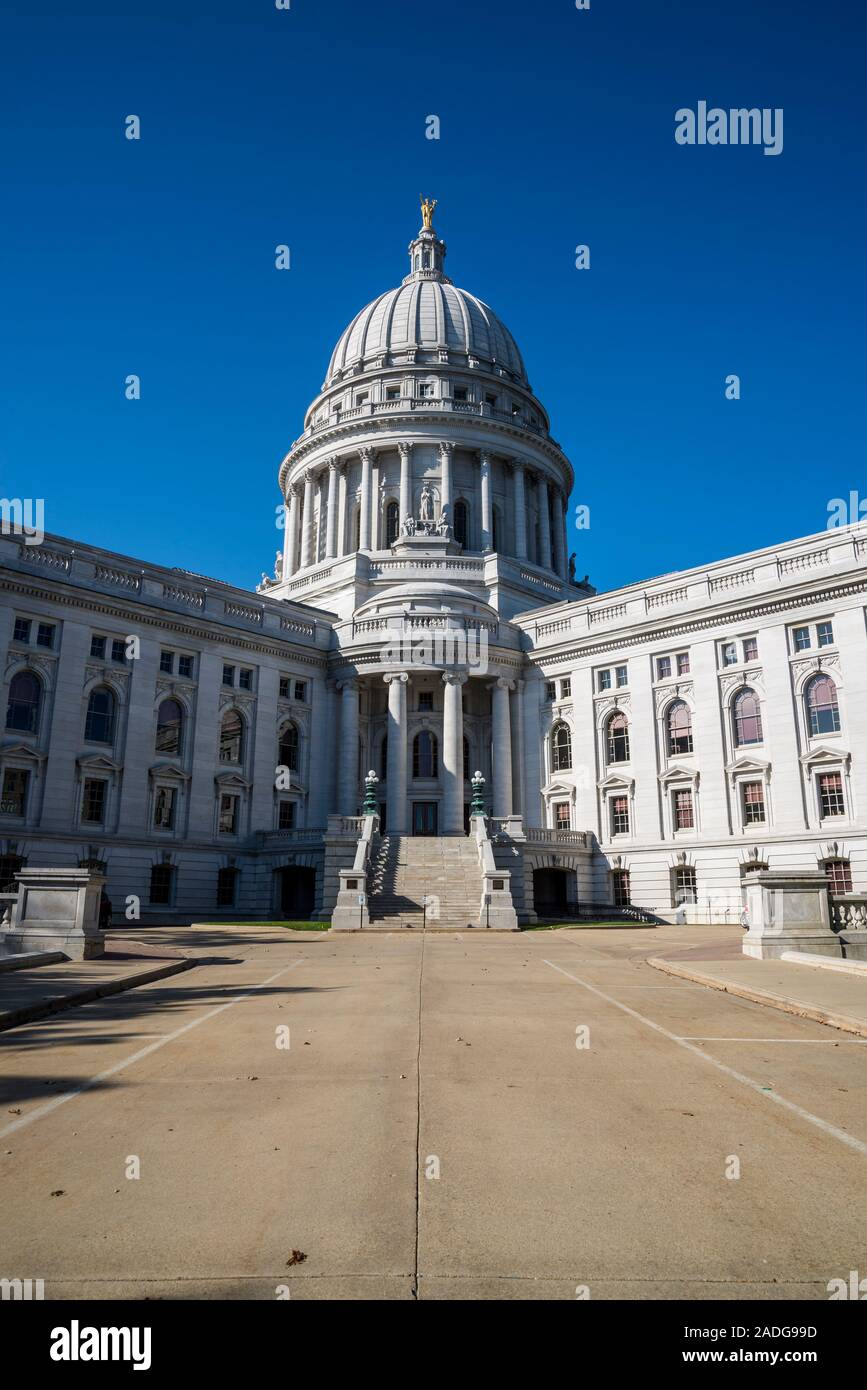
231,737
392,522
383,757
462,522
496,528
356,529
823,711
466,760
747,718
679,728
170,719
287,751
424,755
25,702
618,739
561,748
99,724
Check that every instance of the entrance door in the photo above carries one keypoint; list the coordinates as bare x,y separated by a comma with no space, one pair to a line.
424,818
297,893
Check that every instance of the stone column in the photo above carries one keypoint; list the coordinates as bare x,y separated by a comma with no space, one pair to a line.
519,504
559,534
342,485
366,500
485,488
290,541
453,754
396,822
308,521
501,747
544,524
446,453
331,524
347,782
405,451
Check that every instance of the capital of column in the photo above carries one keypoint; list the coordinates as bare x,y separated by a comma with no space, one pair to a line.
446,448
389,676
405,448
310,475
503,683
334,465
367,455
485,456
351,683
454,677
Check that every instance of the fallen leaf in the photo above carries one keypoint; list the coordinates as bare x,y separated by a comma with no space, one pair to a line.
296,1258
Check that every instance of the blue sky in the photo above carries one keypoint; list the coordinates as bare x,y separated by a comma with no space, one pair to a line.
307,127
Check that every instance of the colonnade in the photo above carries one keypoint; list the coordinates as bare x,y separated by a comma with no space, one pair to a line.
331,483
452,771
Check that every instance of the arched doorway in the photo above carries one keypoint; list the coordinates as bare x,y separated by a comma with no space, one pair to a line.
296,893
551,893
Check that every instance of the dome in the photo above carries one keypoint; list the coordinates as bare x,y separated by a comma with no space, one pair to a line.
425,317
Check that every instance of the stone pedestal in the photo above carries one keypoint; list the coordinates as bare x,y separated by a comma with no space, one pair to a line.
426,544
57,910
351,912
788,912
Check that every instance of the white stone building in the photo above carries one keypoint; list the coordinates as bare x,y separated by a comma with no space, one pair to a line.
642,749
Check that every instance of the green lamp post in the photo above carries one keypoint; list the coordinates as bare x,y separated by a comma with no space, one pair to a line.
371,805
477,805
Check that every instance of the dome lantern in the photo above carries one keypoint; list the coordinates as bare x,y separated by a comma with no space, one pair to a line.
427,253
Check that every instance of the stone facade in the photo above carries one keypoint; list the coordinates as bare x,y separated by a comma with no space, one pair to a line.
205,746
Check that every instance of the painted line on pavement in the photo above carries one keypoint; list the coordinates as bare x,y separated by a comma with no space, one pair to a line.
801,1042
44,1110
848,1139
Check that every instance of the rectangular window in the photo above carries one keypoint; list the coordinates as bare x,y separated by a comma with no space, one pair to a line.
245,678
185,667
285,687
227,884
622,675
164,808
562,817
14,798
751,649
565,689
228,675
620,887
831,794
286,815
301,691
753,803
685,886
603,680
729,654
162,882
620,815
683,814
228,814
425,699
97,647
93,802
663,668
45,635
424,389
839,875
361,398
21,632
550,690
167,662
392,393
802,639
460,393
683,663
490,400
825,634
118,649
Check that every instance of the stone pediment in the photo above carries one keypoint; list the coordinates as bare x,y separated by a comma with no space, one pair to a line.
168,772
99,762
22,750
832,757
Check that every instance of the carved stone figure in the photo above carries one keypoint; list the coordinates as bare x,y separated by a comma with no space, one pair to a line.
408,527
425,510
572,568
278,566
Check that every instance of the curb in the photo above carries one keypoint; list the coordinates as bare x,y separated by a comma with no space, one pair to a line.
760,996
13,1018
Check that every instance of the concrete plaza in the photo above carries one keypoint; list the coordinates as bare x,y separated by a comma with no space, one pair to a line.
432,1130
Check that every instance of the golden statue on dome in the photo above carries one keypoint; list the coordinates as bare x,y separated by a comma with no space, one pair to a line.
427,211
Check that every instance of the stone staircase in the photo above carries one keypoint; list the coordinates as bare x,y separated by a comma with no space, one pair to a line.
406,868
